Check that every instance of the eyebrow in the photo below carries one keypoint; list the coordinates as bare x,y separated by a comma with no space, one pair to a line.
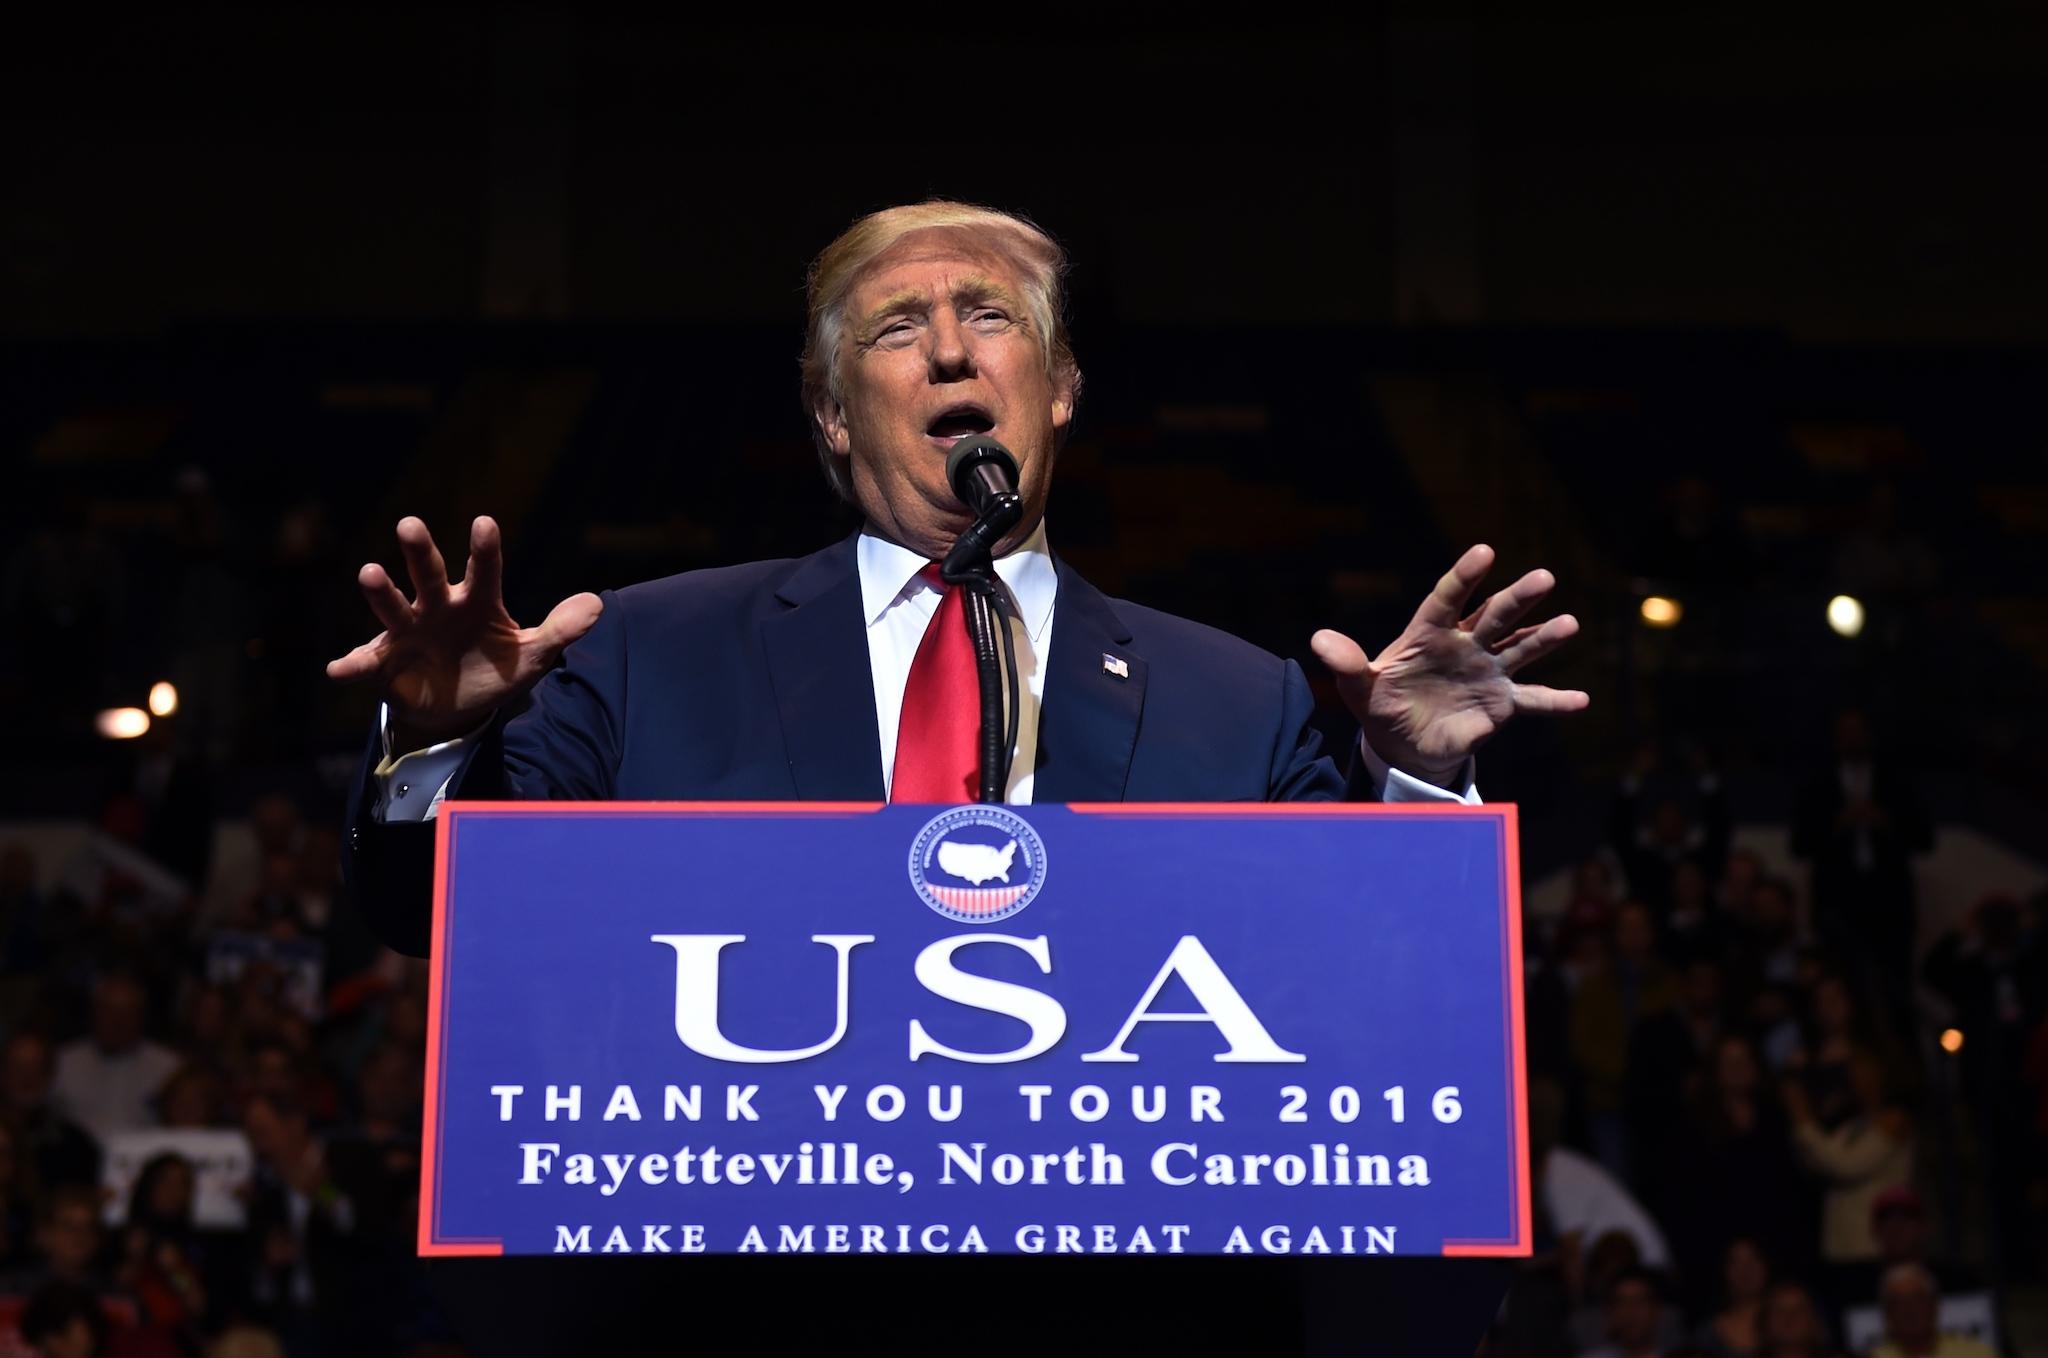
917,302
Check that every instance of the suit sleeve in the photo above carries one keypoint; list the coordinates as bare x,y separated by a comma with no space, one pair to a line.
560,743
1301,772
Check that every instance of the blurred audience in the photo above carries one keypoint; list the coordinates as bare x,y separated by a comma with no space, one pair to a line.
107,1081
1912,1305
210,1089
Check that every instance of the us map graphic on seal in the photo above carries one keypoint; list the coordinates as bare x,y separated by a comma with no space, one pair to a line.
977,864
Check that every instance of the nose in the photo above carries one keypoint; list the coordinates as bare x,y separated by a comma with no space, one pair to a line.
951,357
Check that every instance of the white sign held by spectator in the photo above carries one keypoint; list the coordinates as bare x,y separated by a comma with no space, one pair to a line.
221,1162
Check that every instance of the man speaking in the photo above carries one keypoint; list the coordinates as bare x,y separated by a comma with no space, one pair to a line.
846,675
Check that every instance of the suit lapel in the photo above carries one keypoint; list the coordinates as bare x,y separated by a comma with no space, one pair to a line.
817,652
1088,725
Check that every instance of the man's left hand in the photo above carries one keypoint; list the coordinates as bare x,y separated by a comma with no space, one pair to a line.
1446,683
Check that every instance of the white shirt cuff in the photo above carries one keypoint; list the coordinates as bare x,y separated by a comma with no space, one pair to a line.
1395,786
412,786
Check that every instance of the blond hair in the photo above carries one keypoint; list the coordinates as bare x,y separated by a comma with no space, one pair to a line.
1038,257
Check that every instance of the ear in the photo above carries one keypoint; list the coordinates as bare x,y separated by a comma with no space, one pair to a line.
1066,386
831,418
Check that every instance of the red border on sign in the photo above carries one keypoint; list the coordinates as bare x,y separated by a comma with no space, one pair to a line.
433,1244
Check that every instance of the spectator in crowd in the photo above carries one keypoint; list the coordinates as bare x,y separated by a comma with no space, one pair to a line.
1581,1200
1693,923
1729,1172
1866,1149
302,1226
1593,889
1764,965
386,1135
247,1341
108,1080
1837,1033
1898,1221
1993,971
1765,946
159,1261
1740,874
17,1197
63,1153
277,829
67,1242
1859,821
1632,985
1736,1329
21,924
64,1320
1652,846
1912,1307
1670,1052
1792,1327
1635,1317
192,1098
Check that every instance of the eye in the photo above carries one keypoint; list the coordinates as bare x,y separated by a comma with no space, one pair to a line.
988,318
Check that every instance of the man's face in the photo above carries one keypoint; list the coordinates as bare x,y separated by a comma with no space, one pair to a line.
117,1006
1902,1235
1632,1314
939,344
1910,1310
25,1072
71,1239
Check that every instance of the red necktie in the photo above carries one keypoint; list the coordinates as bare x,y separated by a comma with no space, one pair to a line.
938,737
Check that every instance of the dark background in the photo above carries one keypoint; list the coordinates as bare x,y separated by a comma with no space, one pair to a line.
1744,307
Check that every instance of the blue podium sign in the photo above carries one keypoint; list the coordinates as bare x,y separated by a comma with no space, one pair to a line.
847,1028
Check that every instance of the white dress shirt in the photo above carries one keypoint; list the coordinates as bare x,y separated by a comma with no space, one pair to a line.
897,607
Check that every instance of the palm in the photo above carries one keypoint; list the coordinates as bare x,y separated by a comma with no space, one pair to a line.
471,661
1447,683
451,655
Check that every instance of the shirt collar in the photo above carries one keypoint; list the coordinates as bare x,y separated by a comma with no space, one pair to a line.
888,572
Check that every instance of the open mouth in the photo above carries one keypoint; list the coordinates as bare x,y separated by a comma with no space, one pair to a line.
956,422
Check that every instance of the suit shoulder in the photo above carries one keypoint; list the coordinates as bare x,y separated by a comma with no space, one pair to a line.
1165,635
708,592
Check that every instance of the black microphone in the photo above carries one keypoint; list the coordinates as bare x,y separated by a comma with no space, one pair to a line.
979,470
984,475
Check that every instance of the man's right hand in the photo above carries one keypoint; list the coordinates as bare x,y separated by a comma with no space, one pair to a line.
451,656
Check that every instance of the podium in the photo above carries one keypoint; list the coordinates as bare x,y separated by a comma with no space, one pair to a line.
1118,1030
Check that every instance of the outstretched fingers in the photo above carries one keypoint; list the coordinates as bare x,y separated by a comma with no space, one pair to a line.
483,579
362,662
423,563
1498,615
384,599
1533,643
1446,603
1538,698
1347,662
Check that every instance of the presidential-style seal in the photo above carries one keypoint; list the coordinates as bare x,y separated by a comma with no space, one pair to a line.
977,864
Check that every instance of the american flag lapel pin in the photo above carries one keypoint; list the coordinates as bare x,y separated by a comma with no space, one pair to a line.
1112,665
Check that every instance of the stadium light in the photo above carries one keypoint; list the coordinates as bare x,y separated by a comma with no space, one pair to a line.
1845,615
122,723
1660,611
163,698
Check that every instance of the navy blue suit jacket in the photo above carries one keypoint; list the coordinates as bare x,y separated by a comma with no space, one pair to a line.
752,683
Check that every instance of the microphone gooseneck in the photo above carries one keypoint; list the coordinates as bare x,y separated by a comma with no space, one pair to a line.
983,473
